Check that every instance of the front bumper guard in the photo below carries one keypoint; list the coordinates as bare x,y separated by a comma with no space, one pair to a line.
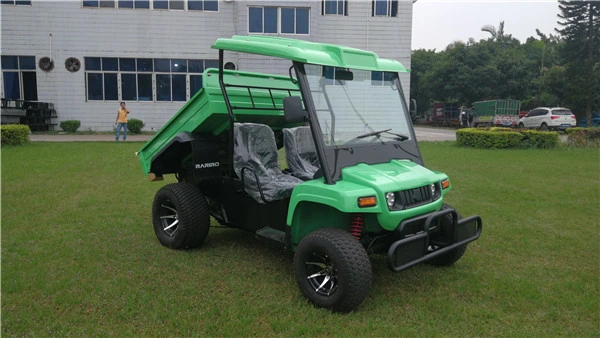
414,250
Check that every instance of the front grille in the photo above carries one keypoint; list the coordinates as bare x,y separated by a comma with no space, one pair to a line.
411,198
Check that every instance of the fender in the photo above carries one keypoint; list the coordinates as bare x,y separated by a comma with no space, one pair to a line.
201,149
329,204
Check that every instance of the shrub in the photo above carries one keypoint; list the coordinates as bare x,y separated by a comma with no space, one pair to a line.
583,137
135,126
499,138
70,126
14,134
539,139
573,130
481,138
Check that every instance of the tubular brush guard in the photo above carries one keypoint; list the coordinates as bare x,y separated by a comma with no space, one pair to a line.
414,250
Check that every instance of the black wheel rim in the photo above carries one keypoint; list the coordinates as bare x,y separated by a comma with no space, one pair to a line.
321,274
169,218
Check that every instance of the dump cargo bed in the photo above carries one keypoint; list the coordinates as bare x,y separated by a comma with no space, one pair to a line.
254,97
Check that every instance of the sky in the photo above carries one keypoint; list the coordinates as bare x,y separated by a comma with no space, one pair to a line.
438,23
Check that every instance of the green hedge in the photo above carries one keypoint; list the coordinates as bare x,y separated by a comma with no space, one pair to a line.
583,137
539,139
70,126
502,138
14,134
483,138
135,126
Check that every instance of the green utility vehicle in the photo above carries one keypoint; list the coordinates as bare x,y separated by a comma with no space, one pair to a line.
354,185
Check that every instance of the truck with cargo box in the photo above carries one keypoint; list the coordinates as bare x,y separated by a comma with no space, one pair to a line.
499,113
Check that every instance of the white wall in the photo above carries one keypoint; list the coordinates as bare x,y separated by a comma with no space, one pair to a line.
88,32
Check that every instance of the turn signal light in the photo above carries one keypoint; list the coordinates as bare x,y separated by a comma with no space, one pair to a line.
445,184
369,201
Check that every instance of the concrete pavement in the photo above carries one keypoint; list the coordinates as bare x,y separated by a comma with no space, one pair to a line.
86,138
423,134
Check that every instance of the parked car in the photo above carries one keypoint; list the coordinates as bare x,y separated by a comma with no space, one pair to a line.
546,118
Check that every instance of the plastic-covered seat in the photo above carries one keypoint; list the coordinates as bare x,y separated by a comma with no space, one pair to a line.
300,152
256,164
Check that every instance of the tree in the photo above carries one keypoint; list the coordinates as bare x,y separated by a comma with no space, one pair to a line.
542,56
497,34
581,56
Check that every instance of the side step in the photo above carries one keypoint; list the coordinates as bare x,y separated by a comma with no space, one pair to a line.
272,235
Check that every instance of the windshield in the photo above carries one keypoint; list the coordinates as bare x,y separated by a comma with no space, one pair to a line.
561,112
356,107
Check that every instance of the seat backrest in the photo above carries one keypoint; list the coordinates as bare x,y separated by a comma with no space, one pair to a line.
255,148
300,152
256,153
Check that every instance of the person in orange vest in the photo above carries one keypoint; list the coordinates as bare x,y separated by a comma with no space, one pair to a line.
121,121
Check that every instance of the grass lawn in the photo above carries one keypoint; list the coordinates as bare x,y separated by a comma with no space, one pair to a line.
79,255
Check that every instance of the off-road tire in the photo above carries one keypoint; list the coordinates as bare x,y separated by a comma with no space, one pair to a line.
338,255
452,256
186,206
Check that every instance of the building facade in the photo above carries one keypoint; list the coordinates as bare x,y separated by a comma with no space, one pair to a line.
87,56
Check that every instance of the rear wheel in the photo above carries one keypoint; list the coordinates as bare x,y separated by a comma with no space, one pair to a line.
180,216
544,126
452,256
333,270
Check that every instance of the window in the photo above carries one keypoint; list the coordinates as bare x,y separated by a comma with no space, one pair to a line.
13,2
143,79
334,7
203,5
142,4
99,3
101,78
126,4
382,78
294,20
161,4
137,4
170,86
19,77
329,75
384,8
177,5
283,20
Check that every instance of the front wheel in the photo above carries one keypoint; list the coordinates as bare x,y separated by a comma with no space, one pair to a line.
544,126
180,216
333,270
521,125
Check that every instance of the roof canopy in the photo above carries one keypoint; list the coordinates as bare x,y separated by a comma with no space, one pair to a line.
309,52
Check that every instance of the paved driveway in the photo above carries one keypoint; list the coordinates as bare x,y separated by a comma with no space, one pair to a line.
423,134
435,134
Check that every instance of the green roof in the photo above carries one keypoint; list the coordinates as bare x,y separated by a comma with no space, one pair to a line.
309,52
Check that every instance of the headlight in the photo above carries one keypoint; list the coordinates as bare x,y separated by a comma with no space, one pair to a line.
432,186
390,198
